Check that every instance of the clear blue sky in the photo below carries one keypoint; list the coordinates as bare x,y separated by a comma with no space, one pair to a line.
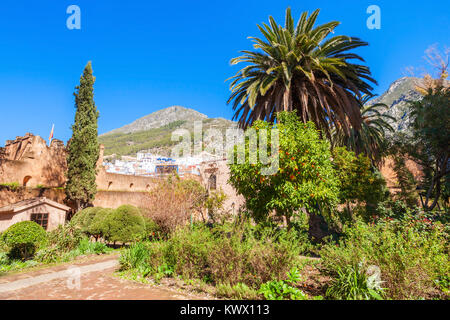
148,55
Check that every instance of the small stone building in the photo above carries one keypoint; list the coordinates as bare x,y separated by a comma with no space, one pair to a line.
47,213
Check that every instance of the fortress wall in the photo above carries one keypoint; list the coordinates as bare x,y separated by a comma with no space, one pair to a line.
388,172
30,162
8,196
221,172
107,181
114,199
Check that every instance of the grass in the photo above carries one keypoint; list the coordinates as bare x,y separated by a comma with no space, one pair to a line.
13,186
53,258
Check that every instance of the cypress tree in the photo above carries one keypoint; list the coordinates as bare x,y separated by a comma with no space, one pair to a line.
83,147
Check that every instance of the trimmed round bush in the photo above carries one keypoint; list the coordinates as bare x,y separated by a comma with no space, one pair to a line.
97,225
125,224
83,219
24,238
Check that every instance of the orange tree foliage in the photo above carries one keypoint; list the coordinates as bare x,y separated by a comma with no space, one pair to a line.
360,182
305,177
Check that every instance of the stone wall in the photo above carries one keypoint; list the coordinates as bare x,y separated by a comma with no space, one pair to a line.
114,199
10,196
214,175
28,161
388,172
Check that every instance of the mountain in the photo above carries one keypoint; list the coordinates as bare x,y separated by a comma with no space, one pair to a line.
160,119
396,98
153,133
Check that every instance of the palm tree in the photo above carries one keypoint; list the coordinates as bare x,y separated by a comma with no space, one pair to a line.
295,68
370,139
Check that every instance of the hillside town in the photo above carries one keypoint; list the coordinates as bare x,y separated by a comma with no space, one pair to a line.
150,165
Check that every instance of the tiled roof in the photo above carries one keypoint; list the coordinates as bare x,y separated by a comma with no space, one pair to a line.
26,204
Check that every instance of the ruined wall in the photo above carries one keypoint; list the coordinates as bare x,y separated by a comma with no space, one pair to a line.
114,199
218,173
107,181
388,172
9,196
28,161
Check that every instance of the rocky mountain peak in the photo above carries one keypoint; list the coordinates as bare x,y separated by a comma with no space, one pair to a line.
160,118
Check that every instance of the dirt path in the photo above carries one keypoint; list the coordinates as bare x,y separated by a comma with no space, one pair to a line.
91,279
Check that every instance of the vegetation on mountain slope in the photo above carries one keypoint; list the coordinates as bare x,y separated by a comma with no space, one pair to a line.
156,140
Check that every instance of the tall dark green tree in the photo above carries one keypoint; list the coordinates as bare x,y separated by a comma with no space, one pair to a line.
430,144
83,147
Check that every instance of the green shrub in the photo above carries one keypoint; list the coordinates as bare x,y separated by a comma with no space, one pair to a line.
48,255
283,289
410,253
88,247
125,224
133,257
24,238
219,256
97,226
152,229
360,182
65,237
352,283
82,219
4,259
13,186
239,291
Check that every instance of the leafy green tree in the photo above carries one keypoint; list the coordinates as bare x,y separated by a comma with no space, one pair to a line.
297,68
125,224
82,219
24,238
406,182
360,182
305,178
96,227
429,144
83,147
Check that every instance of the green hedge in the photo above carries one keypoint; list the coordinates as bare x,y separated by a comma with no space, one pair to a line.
83,219
24,238
125,224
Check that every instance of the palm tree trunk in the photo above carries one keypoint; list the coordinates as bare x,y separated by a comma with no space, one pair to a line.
287,99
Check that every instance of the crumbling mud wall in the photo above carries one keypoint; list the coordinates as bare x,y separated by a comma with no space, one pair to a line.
388,172
214,176
114,199
10,195
28,161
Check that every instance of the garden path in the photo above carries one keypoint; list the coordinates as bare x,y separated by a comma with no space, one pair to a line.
89,279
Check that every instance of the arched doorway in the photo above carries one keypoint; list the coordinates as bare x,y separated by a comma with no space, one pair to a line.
26,180
212,182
